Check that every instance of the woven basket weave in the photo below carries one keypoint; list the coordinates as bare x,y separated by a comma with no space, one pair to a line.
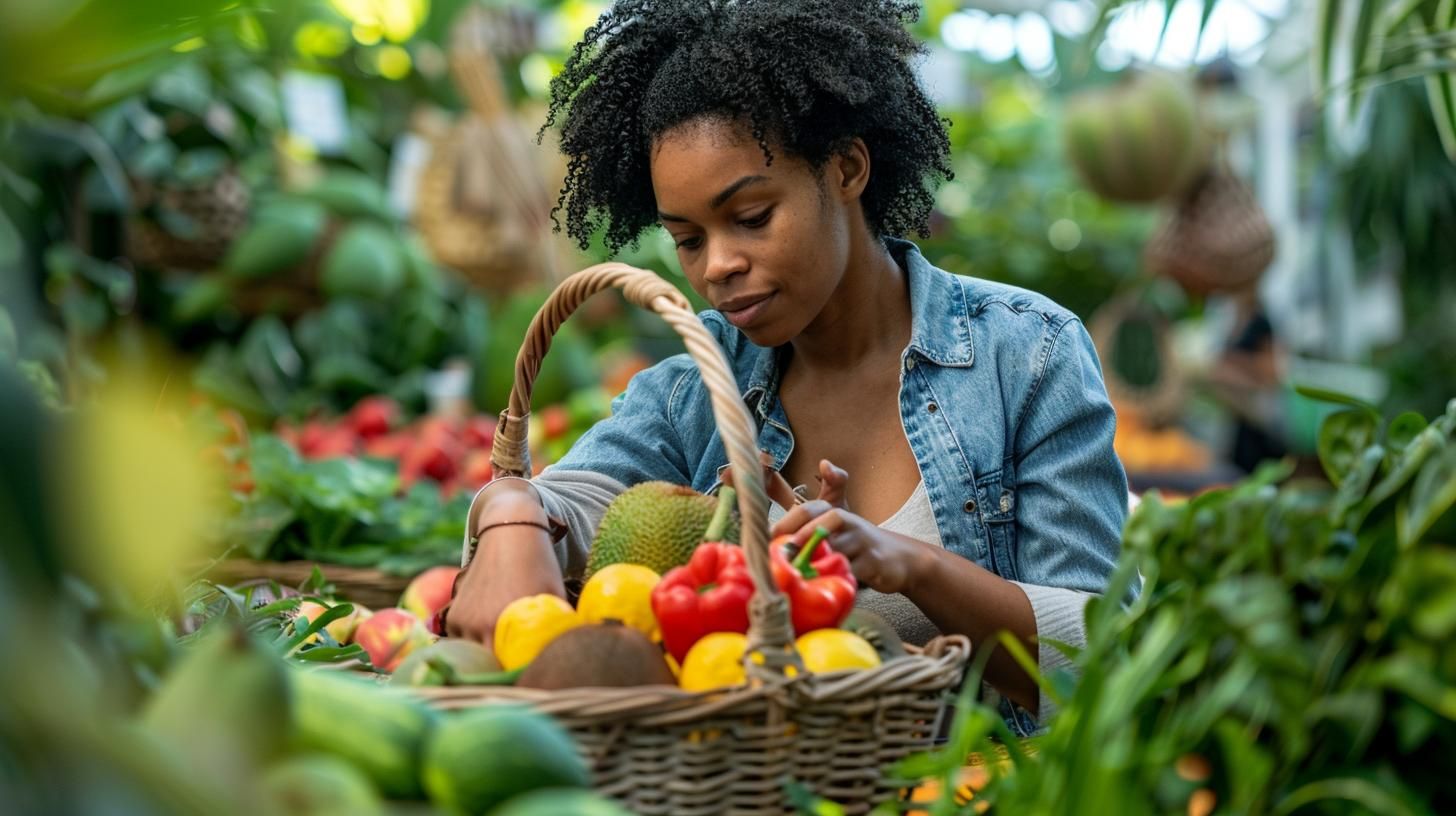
1216,239
217,211
662,751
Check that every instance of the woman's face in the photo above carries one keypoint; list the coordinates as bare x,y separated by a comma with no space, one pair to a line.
766,245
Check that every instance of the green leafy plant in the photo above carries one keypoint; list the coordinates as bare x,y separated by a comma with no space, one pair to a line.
1289,651
269,613
342,511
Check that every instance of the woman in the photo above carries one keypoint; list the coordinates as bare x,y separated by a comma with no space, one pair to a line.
959,429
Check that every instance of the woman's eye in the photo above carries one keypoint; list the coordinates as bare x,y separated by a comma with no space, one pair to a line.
757,220
689,243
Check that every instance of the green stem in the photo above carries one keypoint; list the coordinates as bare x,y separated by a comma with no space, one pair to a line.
719,523
500,678
801,561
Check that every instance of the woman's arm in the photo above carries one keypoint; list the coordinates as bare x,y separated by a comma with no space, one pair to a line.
961,597
514,557
553,517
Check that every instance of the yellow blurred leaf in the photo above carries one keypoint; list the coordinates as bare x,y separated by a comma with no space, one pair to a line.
140,489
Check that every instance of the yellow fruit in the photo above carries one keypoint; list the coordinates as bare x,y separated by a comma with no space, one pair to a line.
527,624
715,661
827,650
621,592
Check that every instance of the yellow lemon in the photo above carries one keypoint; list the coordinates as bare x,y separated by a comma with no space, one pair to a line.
527,624
827,650
621,592
714,661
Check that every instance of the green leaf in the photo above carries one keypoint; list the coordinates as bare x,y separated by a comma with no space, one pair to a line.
1366,40
1355,483
1342,438
1398,12
1441,87
23,188
1327,22
1325,395
1364,792
125,81
201,297
1168,7
317,584
1409,674
330,654
11,248
1403,429
1441,90
1405,466
288,643
1431,496
259,523
1208,9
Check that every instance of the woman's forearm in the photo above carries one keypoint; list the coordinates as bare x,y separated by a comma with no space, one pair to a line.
960,597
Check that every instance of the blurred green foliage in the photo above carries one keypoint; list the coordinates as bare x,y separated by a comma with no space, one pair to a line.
1289,653
1015,212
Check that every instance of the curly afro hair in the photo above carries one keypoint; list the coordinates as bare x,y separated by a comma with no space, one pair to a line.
808,76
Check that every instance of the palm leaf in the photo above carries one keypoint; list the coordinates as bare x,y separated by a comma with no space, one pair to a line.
1366,42
1441,86
1327,22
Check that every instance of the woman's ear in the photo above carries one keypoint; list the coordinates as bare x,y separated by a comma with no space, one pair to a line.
852,170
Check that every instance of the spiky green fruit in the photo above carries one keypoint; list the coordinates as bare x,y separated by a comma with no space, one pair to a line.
655,524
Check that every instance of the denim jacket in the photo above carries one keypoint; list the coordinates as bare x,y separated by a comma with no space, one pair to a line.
1002,401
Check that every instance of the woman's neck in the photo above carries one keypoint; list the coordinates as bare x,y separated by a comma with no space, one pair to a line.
867,317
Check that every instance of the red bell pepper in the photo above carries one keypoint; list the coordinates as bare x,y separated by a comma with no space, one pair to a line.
708,594
818,582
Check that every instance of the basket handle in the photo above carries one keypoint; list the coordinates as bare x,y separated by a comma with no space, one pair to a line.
770,633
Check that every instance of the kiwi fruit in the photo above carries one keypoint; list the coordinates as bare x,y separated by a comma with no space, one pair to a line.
607,654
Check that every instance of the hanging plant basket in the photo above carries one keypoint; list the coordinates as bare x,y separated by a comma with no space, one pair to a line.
208,217
1139,365
1216,239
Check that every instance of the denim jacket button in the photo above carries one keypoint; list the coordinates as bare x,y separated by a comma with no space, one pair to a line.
1006,502
932,407
970,505
909,363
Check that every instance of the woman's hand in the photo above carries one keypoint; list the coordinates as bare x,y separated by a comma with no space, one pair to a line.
884,561
510,562
832,481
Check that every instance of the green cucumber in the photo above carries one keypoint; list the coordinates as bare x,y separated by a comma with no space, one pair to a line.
381,731
478,759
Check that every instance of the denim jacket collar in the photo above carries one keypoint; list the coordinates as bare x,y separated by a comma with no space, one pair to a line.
940,325
940,318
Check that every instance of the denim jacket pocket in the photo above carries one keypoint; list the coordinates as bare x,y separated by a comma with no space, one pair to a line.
996,496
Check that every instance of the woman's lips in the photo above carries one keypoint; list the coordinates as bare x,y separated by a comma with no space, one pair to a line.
746,315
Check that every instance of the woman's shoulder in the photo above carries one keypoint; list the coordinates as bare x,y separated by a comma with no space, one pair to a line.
677,380
992,300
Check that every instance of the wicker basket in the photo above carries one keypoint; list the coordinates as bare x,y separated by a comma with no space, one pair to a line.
483,207
217,209
660,750
1217,238
1160,402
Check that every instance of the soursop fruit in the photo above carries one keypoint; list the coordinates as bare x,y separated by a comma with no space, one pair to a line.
655,524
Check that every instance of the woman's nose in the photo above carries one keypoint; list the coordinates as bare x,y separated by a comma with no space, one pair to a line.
724,261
